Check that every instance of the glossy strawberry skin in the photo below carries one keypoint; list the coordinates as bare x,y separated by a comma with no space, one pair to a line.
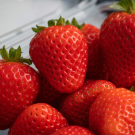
47,93
19,86
39,119
118,44
73,130
112,113
75,107
60,53
95,68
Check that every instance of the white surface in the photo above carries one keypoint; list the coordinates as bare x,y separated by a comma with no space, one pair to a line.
14,13
3,132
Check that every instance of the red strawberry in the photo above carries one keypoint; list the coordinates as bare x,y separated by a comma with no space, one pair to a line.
47,93
113,113
73,130
19,86
75,107
118,43
95,69
38,119
60,53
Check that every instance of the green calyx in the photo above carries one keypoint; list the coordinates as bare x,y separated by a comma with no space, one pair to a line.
75,23
125,5
38,28
14,55
58,22
132,89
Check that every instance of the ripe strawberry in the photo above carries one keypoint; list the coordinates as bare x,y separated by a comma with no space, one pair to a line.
38,119
19,86
75,107
118,43
95,69
48,94
73,130
60,53
113,113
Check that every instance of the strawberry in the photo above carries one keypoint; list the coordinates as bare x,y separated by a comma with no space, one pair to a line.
118,44
113,113
19,86
60,53
75,107
95,69
48,94
73,130
38,119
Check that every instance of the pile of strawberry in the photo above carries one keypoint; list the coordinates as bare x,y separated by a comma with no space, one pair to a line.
84,80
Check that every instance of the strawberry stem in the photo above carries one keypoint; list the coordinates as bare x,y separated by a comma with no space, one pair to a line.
125,5
61,21
14,55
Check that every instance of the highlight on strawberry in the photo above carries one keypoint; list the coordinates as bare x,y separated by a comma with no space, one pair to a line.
19,85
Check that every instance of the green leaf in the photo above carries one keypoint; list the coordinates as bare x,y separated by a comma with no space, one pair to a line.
12,52
18,53
63,21
4,53
38,29
132,89
116,6
67,22
60,21
51,23
35,30
28,61
80,26
14,55
75,23
125,5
